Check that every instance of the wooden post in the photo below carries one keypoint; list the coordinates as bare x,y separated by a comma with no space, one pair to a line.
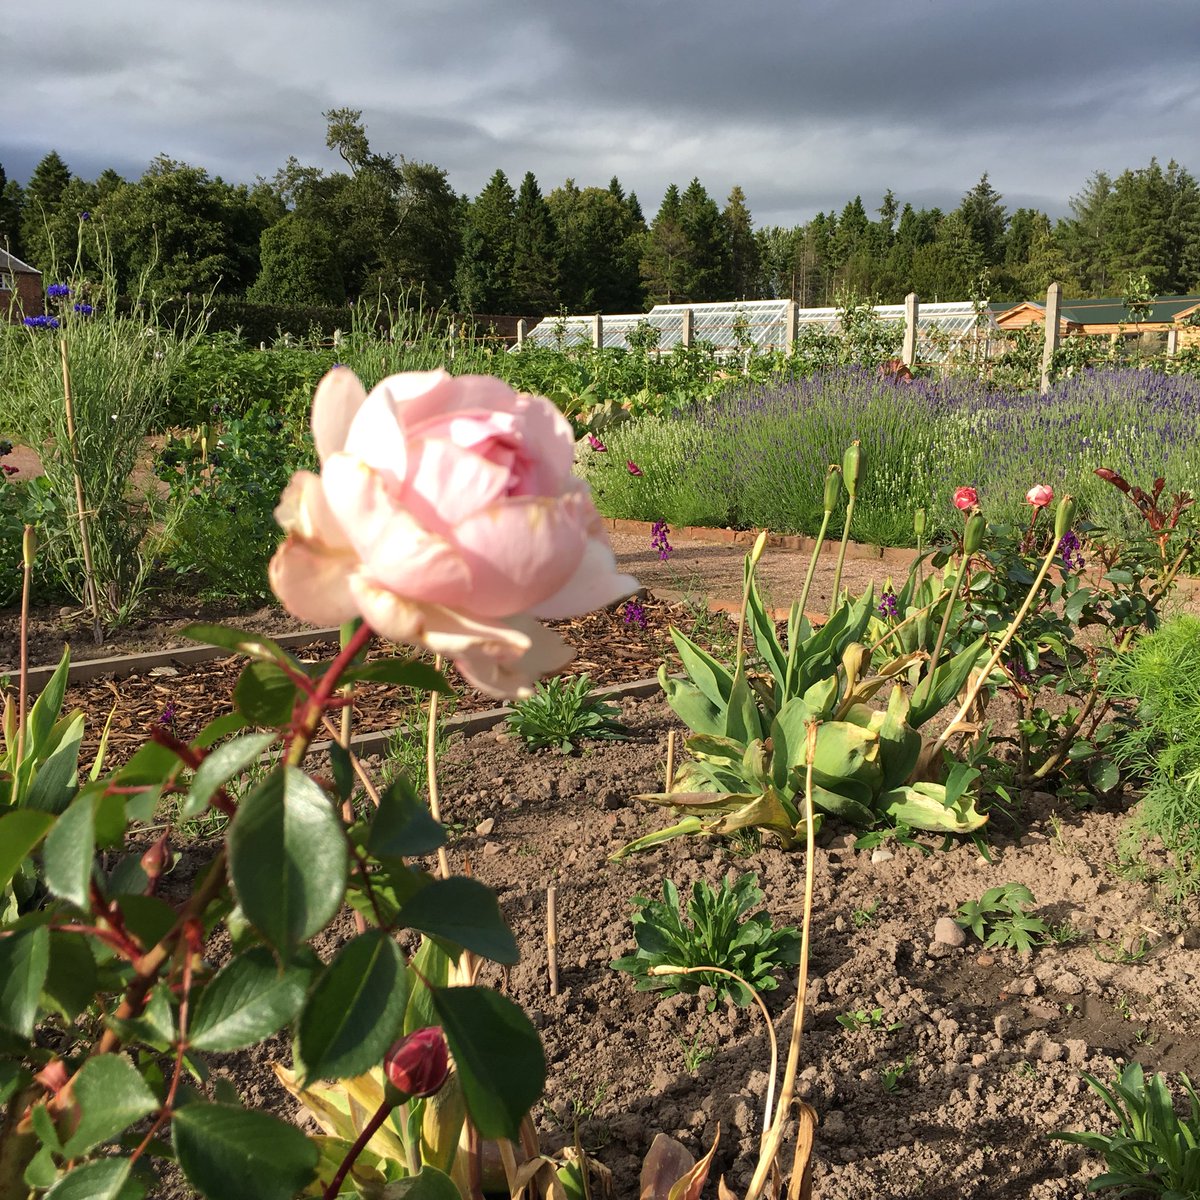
789,325
1172,342
552,937
521,334
909,354
598,332
686,338
1053,319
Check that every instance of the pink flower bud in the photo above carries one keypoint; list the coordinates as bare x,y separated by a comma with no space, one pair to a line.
418,1064
1040,495
965,498
596,444
633,468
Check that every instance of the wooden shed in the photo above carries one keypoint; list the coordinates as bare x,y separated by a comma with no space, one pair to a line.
21,293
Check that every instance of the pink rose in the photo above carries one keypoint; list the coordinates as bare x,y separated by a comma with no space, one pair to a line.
419,1064
1040,495
965,498
446,516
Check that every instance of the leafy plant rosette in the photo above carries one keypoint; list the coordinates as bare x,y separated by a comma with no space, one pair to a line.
118,983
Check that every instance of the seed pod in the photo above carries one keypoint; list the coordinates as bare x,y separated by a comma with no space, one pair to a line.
973,534
919,522
833,487
29,546
1064,518
852,466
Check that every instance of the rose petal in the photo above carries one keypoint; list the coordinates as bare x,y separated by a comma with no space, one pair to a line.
449,483
303,510
338,398
595,584
312,583
513,678
520,552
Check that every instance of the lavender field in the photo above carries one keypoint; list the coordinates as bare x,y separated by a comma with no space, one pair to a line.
757,455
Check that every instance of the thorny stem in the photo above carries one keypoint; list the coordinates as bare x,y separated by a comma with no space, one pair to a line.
770,1143
365,1135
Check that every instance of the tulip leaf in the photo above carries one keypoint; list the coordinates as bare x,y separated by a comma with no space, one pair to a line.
943,684
430,1184
46,708
763,629
356,1009
56,778
501,1064
713,680
230,1153
246,1001
288,858
465,912
691,706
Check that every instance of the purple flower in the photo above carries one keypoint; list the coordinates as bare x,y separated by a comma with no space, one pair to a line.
84,310
167,717
658,540
1070,547
1017,667
887,606
635,614
633,469
85,216
57,291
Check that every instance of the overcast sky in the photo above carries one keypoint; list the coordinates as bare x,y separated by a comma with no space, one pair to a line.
804,104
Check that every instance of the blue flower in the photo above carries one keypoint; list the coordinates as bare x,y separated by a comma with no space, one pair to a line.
58,291
42,322
84,310
85,216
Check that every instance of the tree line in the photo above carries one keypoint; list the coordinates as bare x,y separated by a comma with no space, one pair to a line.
387,226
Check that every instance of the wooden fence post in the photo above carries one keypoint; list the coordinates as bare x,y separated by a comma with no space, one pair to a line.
521,333
1053,318
789,326
909,354
686,337
598,332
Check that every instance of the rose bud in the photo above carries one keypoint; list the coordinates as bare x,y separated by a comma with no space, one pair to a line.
1041,495
965,498
418,1064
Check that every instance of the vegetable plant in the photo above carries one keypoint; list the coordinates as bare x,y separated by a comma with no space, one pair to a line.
561,713
711,933
1154,1151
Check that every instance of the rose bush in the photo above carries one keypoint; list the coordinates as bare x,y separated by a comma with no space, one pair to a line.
446,515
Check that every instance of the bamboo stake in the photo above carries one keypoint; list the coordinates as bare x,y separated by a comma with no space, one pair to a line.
670,759
435,808
27,553
89,574
552,937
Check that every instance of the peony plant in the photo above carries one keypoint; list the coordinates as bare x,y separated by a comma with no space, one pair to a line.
444,516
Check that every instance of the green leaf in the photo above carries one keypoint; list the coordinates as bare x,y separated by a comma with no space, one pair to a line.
430,1184
343,771
219,767
404,671
219,728
465,912
712,679
71,981
742,721
108,1179
355,1010
111,1095
20,832
402,826
24,963
501,1065
246,1001
56,779
935,692
429,967
69,851
230,1153
288,858
1103,774
264,694
240,641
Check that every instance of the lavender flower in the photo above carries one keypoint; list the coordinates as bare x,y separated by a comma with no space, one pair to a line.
658,540
167,717
1071,549
635,614
888,607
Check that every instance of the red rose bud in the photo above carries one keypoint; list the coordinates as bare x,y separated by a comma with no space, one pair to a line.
157,859
965,498
418,1064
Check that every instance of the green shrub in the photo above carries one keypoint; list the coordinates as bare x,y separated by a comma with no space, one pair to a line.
561,713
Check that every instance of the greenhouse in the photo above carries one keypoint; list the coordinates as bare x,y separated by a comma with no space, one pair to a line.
736,326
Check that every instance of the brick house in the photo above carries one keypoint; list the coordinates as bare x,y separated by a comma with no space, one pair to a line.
20,289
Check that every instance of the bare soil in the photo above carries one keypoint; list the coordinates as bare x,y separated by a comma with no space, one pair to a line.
991,1043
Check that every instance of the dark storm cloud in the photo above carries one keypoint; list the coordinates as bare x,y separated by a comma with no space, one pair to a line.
804,104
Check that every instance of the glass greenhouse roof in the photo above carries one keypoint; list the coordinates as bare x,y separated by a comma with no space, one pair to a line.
729,326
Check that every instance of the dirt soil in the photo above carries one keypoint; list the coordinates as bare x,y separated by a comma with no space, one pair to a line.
984,1048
